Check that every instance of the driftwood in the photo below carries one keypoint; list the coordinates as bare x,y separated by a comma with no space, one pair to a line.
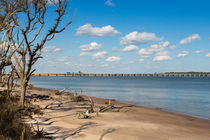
40,97
112,108
58,92
91,110
83,115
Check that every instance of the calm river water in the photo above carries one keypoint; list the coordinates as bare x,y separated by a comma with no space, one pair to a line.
187,95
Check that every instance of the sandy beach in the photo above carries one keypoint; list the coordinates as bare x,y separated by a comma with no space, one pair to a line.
62,120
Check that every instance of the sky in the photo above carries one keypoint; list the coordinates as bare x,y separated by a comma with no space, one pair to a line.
131,36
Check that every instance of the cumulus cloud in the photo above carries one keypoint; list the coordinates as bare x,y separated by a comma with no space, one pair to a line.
109,3
91,47
189,39
99,54
173,47
160,45
51,49
208,55
161,53
199,51
139,38
89,30
130,48
154,48
162,58
183,54
145,51
85,53
113,59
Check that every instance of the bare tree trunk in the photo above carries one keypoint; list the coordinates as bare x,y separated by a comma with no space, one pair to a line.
23,86
1,78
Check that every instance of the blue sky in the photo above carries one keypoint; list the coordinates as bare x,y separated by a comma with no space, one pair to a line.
135,36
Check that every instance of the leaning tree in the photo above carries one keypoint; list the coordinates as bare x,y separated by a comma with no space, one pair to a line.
32,31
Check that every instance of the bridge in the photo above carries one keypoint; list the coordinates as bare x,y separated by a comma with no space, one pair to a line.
121,74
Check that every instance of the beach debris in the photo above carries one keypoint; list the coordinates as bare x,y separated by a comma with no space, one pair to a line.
77,98
112,108
30,109
59,92
37,96
53,105
30,86
84,115
91,109
40,133
109,101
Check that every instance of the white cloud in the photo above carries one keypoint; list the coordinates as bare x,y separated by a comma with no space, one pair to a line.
173,47
109,3
199,51
113,59
99,54
91,47
163,53
96,55
85,53
183,54
139,38
89,30
130,48
154,48
162,58
57,49
189,39
51,49
208,55
145,51
160,45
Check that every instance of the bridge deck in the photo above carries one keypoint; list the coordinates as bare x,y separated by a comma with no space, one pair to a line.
122,74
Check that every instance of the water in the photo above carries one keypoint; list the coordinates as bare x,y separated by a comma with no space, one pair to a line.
187,95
